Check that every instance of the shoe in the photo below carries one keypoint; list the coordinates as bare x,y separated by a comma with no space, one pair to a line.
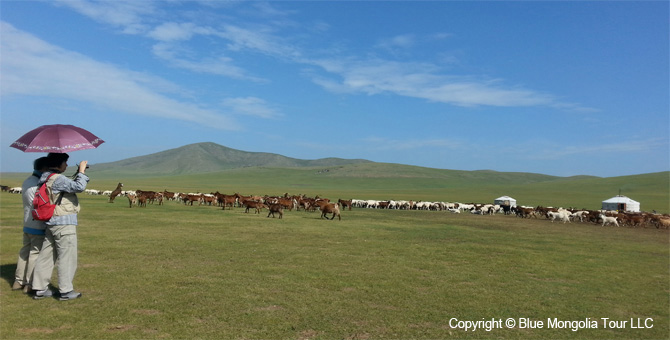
41,294
27,289
17,285
70,296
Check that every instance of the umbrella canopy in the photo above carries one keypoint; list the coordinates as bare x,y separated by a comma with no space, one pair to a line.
57,138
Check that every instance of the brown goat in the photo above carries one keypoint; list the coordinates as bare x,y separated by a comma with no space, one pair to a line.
258,206
132,199
115,193
276,208
345,203
331,208
141,201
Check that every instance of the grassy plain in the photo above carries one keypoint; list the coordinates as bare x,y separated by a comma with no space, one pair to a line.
199,272
382,181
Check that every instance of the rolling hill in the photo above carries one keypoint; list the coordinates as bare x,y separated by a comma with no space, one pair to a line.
208,157
212,158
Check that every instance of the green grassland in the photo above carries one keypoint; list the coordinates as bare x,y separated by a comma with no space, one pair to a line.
383,181
199,272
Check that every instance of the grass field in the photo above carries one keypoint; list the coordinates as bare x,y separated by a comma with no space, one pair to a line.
380,181
198,272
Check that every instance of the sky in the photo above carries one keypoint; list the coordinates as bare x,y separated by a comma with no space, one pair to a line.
558,88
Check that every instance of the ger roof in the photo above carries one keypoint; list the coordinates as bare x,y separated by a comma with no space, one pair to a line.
505,198
620,199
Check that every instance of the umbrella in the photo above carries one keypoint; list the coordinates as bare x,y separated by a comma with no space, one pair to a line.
57,138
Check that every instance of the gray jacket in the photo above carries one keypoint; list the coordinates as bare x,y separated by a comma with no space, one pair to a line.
66,211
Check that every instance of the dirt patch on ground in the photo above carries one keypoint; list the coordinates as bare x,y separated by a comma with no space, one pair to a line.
35,330
358,336
120,328
308,334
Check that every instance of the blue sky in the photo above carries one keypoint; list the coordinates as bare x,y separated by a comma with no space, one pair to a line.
559,88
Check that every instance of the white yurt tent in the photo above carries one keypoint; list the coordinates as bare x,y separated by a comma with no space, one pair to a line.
505,200
621,203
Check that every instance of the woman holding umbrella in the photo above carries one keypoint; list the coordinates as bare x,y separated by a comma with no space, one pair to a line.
61,232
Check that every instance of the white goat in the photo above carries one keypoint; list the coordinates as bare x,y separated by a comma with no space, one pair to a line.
580,214
562,215
609,220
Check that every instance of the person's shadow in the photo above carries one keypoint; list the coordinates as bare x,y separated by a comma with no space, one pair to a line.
7,272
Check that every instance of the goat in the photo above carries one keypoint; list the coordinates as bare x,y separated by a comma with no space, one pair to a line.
258,206
609,220
276,208
142,201
562,215
331,208
115,193
132,199
345,203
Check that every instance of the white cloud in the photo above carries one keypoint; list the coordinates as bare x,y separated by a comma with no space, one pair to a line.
32,67
171,31
173,47
403,41
424,80
222,65
120,13
250,106
259,40
342,74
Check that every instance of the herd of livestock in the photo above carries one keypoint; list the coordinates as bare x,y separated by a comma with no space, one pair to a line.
277,204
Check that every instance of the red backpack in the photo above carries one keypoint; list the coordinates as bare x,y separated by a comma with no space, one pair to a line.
43,209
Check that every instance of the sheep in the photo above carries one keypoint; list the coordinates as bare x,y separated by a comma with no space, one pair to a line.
487,209
609,220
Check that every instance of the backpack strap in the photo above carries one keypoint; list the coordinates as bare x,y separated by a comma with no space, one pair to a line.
60,196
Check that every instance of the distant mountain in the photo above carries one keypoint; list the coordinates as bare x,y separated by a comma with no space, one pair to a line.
209,157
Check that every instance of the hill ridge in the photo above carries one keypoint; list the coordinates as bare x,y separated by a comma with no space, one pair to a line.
209,157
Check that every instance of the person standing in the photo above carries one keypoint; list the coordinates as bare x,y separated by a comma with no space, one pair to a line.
61,231
33,230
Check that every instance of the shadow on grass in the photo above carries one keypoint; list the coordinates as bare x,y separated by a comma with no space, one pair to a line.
7,272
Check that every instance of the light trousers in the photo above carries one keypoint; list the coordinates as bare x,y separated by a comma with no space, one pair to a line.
59,248
28,255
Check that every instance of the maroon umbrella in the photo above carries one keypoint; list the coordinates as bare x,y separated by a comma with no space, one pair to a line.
57,138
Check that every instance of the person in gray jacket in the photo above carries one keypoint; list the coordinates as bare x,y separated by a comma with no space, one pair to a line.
61,231
33,231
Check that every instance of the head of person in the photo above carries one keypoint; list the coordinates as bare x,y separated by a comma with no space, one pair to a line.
40,164
57,162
